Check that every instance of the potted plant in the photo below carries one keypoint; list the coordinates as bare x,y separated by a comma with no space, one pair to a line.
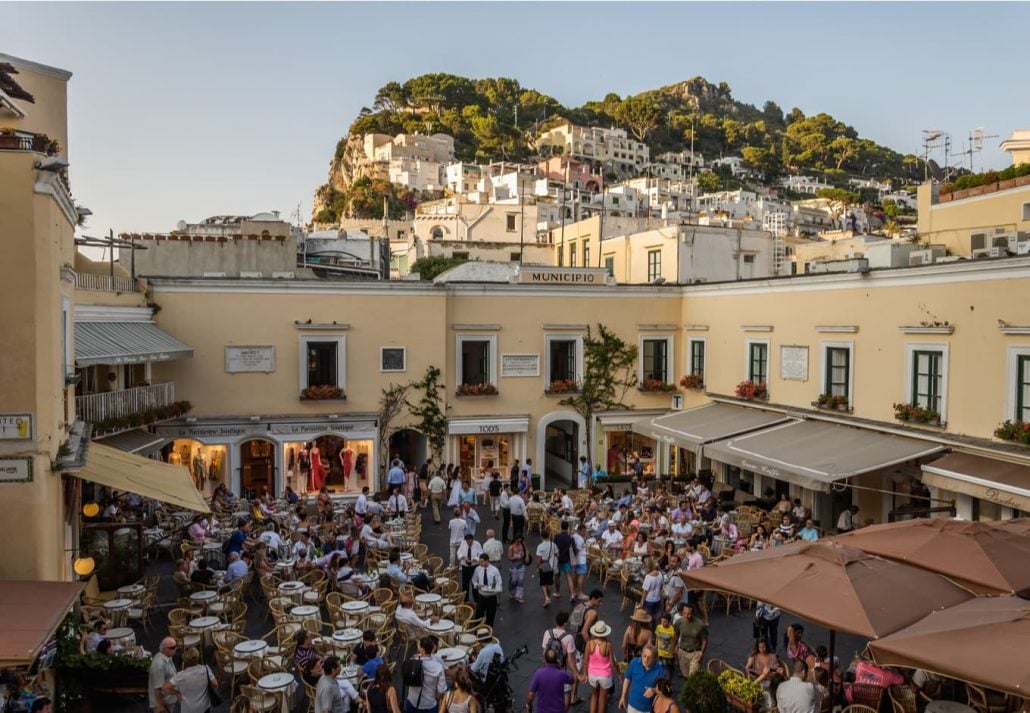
322,392
832,401
742,693
1018,431
563,386
656,386
702,693
752,390
477,390
693,381
914,413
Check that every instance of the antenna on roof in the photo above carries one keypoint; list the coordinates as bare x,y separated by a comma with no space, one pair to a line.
933,139
935,171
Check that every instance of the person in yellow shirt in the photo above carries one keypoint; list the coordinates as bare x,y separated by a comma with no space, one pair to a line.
665,638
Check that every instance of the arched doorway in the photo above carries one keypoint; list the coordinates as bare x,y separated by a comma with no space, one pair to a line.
257,467
410,446
561,438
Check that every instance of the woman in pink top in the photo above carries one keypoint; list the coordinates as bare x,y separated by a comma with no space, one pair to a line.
598,667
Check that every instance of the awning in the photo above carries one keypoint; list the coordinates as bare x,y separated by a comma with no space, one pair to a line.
135,441
1007,484
30,613
125,343
150,478
814,454
693,428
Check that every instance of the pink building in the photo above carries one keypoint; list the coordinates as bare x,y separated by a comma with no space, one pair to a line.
575,173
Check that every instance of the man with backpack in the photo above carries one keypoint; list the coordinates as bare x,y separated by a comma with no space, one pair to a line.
563,541
583,617
546,561
423,677
562,645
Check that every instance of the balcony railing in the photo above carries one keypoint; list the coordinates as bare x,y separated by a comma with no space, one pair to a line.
106,283
95,408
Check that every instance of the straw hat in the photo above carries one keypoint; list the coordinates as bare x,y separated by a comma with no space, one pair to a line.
600,630
641,616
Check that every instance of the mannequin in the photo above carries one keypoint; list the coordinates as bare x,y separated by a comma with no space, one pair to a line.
317,467
347,461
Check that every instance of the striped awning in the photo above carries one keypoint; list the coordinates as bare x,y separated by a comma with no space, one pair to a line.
125,343
135,441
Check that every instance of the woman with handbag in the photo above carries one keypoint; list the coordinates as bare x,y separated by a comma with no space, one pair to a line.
195,685
518,559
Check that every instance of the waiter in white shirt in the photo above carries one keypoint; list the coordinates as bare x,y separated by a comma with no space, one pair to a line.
486,583
469,552
397,505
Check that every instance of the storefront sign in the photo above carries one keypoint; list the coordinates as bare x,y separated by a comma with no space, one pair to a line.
762,469
289,429
617,427
15,426
1005,499
794,363
220,431
567,276
520,365
15,470
242,359
511,425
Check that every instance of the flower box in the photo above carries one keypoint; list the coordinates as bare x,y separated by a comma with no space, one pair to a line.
563,386
476,390
914,413
1016,431
656,386
741,693
693,381
829,402
323,392
751,390
737,703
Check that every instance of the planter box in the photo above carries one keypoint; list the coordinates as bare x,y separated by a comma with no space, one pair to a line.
305,398
739,705
825,407
570,392
460,395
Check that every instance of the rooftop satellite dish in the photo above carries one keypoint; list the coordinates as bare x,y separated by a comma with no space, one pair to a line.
935,171
978,138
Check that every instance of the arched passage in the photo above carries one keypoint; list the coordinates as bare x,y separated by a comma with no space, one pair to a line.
410,446
561,437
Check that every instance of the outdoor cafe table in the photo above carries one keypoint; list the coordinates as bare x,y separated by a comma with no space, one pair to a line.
252,648
344,640
204,625
213,553
452,656
428,601
132,591
118,608
444,629
279,684
349,673
947,707
292,590
306,612
123,636
204,597
354,611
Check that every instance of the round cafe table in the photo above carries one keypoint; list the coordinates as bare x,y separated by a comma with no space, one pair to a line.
947,707
451,656
444,629
349,673
118,608
354,606
279,684
428,602
131,591
204,597
122,635
306,612
253,648
204,625
292,590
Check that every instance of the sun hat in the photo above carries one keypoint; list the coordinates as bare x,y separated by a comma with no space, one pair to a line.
600,630
484,635
641,616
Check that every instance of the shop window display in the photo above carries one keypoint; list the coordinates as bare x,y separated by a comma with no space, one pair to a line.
625,449
207,464
340,463
477,452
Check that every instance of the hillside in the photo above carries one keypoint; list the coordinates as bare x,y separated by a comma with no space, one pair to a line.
497,119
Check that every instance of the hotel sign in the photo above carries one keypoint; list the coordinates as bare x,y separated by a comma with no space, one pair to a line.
15,470
242,359
563,276
15,426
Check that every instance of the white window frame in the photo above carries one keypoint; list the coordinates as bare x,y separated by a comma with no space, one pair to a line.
670,360
1012,362
824,366
910,349
341,357
491,361
559,337
404,351
768,358
690,355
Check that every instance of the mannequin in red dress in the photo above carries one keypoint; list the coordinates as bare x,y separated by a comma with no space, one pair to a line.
347,461
317,468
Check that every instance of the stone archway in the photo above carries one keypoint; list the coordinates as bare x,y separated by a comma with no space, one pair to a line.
568,440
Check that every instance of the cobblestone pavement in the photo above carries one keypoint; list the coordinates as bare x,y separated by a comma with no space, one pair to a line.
518,624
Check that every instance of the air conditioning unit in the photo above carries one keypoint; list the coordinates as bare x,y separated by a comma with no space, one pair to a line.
214,274
1015,240
282,275
949,258
920,257
250,275
999,251
982,252
1023,248
1000,241
977,241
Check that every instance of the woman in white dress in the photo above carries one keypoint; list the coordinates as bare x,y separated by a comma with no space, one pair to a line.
455,499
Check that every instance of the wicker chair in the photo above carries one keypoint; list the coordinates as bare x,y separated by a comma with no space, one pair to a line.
869,695
983,700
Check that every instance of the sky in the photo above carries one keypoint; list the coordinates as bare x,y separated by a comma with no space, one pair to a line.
186,110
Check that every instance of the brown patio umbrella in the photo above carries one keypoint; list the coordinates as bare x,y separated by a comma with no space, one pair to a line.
983,641
1020,526
841,588
983,557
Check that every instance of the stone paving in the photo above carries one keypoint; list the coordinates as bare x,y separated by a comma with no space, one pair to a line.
518,624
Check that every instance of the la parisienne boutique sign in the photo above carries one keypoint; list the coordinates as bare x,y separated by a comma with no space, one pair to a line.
563,276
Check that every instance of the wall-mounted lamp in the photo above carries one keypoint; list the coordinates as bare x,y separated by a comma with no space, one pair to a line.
84,566
90,510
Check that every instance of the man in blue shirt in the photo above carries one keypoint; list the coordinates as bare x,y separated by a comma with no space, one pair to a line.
237,568
809,531
584,472
239,539
599,473
400,575
395,478
638,681
486,654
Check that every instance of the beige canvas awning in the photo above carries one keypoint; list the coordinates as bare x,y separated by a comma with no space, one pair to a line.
125,343
123,471
30,613
693,428
814,454
1007,484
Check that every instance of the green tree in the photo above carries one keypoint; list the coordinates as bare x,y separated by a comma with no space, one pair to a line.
429,267
640,114
773,113
432,421
609,372
891,209
392,401
760,158
838,194
393,98
708,182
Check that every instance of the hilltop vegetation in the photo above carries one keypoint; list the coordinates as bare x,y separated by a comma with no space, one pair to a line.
497,119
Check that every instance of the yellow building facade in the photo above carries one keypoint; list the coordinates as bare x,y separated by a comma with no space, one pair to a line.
973,221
